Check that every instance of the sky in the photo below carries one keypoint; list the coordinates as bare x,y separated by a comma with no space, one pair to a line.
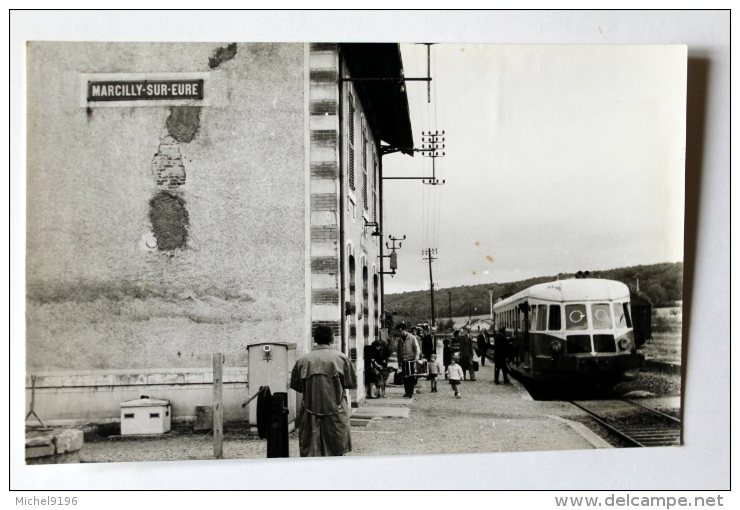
557,159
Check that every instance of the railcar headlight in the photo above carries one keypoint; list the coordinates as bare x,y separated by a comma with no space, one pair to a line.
555,346
624,343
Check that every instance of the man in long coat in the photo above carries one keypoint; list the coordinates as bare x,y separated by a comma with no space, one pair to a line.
500,353
466,354
322,376
428,344
483,345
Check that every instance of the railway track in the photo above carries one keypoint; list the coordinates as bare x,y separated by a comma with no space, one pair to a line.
640,426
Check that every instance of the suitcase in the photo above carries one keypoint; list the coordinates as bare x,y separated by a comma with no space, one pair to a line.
417,368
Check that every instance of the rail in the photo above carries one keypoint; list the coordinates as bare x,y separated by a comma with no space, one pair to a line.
650,434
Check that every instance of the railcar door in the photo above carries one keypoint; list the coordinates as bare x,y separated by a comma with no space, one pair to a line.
522,312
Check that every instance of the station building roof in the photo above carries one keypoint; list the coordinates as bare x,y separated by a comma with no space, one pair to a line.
385,102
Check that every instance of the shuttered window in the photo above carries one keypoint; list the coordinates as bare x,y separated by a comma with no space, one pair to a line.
364,171
375,190
351,129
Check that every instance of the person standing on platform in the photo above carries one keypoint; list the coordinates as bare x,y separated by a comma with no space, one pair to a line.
500,350
446,354
428,345
382,353
322,376
407,350
466,354
372,369
483,346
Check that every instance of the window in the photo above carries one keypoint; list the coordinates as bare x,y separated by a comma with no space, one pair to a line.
627,315
619,317
364,171
351,170
541,317
375,189
351,130
554,322
601,316
575,317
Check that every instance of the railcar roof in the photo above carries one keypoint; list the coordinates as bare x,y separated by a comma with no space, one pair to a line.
585,289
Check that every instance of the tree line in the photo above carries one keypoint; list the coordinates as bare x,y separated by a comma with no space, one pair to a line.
659,284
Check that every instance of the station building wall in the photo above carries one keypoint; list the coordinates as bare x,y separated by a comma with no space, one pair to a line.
161,232
360,164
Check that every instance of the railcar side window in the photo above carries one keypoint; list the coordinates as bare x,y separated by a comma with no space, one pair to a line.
554,323
575,317
627,315
601,316
541,317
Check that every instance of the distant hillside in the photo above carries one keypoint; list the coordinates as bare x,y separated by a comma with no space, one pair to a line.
661,284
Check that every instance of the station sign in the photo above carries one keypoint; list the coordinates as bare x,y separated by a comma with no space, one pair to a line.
144,90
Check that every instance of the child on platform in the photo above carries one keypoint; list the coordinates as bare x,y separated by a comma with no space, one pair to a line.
455,374
434,371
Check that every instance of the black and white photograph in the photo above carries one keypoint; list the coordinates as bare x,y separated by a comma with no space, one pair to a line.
260,251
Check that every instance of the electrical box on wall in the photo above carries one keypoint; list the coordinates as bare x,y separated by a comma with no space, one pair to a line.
270,364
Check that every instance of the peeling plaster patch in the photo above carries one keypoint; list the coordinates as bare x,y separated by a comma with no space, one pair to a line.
183,123
167,166
170,221
222,55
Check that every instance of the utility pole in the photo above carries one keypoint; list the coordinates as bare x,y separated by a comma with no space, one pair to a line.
449,304
430,258
431,145
490,293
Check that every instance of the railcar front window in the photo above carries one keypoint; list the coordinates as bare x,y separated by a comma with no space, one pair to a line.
575,317
601,316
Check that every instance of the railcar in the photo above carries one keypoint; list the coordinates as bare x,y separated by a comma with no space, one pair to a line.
571,329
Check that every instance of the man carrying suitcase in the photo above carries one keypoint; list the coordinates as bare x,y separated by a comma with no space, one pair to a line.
407,350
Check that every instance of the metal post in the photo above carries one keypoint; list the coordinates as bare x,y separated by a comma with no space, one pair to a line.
218,412
429,72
